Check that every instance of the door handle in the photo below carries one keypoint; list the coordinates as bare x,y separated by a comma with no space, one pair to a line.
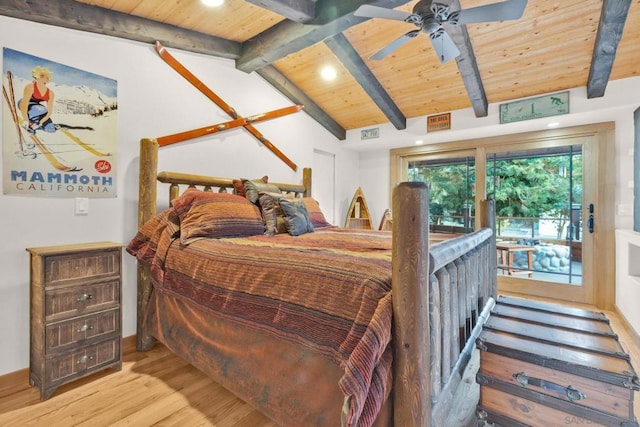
590,224
591,220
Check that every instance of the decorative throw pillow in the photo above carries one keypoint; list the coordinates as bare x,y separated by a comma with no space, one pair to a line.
183,203
238,187
272,215
296,216
252,189
222,215
315,213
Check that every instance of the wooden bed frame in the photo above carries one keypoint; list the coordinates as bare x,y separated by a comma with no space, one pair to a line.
441,295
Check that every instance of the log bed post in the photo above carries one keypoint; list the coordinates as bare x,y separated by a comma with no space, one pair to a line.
410,296
489,221
147,189
306,181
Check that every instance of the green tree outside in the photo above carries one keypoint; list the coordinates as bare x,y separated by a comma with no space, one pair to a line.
526,187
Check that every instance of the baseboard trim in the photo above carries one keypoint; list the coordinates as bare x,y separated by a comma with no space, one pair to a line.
625,324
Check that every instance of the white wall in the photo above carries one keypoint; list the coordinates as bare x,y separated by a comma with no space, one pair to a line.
153,100
622,98
628,274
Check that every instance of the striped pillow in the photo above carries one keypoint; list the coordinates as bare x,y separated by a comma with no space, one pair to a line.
272,215
217,215
238,186
252,189
315,213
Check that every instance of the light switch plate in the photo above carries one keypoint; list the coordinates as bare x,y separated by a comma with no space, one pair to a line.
82,206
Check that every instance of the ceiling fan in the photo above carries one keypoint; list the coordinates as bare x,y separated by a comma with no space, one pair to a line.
432,18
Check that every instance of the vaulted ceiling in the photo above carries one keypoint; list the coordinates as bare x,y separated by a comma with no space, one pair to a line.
555,45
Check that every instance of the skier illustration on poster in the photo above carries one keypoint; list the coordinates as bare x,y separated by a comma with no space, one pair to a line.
37,100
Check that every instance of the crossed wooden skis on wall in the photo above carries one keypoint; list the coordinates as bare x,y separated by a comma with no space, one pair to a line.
238,121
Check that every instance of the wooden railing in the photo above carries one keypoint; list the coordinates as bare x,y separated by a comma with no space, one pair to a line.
463,284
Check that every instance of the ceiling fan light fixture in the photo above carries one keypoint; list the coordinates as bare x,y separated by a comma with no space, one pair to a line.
212,3
430,25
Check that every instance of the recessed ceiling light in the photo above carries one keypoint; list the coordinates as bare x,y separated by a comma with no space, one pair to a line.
212,3
553,125
329,73
419,142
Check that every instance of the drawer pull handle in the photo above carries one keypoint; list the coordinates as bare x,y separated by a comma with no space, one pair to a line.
84,359
85,297
85,328
570,391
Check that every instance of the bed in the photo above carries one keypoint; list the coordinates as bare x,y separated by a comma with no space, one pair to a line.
304,325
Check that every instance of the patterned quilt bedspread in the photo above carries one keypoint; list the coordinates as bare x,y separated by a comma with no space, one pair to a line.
328,290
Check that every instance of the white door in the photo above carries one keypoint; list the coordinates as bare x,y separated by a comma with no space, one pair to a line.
324,183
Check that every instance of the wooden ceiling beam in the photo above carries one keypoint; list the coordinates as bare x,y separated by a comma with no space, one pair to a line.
94,19
291,91
287,36
468,67
612,19
345,52
295,10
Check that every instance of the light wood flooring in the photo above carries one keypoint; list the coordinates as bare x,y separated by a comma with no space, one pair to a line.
153,388
156,388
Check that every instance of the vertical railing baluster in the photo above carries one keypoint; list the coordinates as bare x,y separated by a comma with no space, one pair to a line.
437,327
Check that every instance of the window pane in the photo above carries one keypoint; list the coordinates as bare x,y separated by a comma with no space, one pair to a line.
451,192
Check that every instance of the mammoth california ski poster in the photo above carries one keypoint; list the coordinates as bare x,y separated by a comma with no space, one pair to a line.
59,129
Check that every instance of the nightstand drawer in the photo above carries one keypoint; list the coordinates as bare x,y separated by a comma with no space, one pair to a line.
61,269
80,361
67,302
63,335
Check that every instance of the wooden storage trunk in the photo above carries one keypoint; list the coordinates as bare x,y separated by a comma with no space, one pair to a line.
549,365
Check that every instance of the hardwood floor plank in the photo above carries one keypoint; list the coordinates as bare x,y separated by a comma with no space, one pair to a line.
160,409
102,403
153,388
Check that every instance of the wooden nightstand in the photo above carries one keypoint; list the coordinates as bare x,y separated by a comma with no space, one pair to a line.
75,312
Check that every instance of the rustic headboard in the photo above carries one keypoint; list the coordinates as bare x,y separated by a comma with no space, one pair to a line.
149,176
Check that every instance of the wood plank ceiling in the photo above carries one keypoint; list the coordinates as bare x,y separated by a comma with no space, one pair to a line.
556,45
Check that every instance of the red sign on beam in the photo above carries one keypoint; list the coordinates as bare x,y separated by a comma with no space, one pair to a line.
439,122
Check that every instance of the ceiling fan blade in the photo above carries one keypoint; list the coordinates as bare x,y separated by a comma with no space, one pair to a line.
368,11
444,46
502,11
387,50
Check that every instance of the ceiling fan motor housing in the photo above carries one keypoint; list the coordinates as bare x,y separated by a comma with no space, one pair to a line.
430,25
423,8
432,15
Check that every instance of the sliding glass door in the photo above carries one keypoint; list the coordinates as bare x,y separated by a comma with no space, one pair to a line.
539,221
553,196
